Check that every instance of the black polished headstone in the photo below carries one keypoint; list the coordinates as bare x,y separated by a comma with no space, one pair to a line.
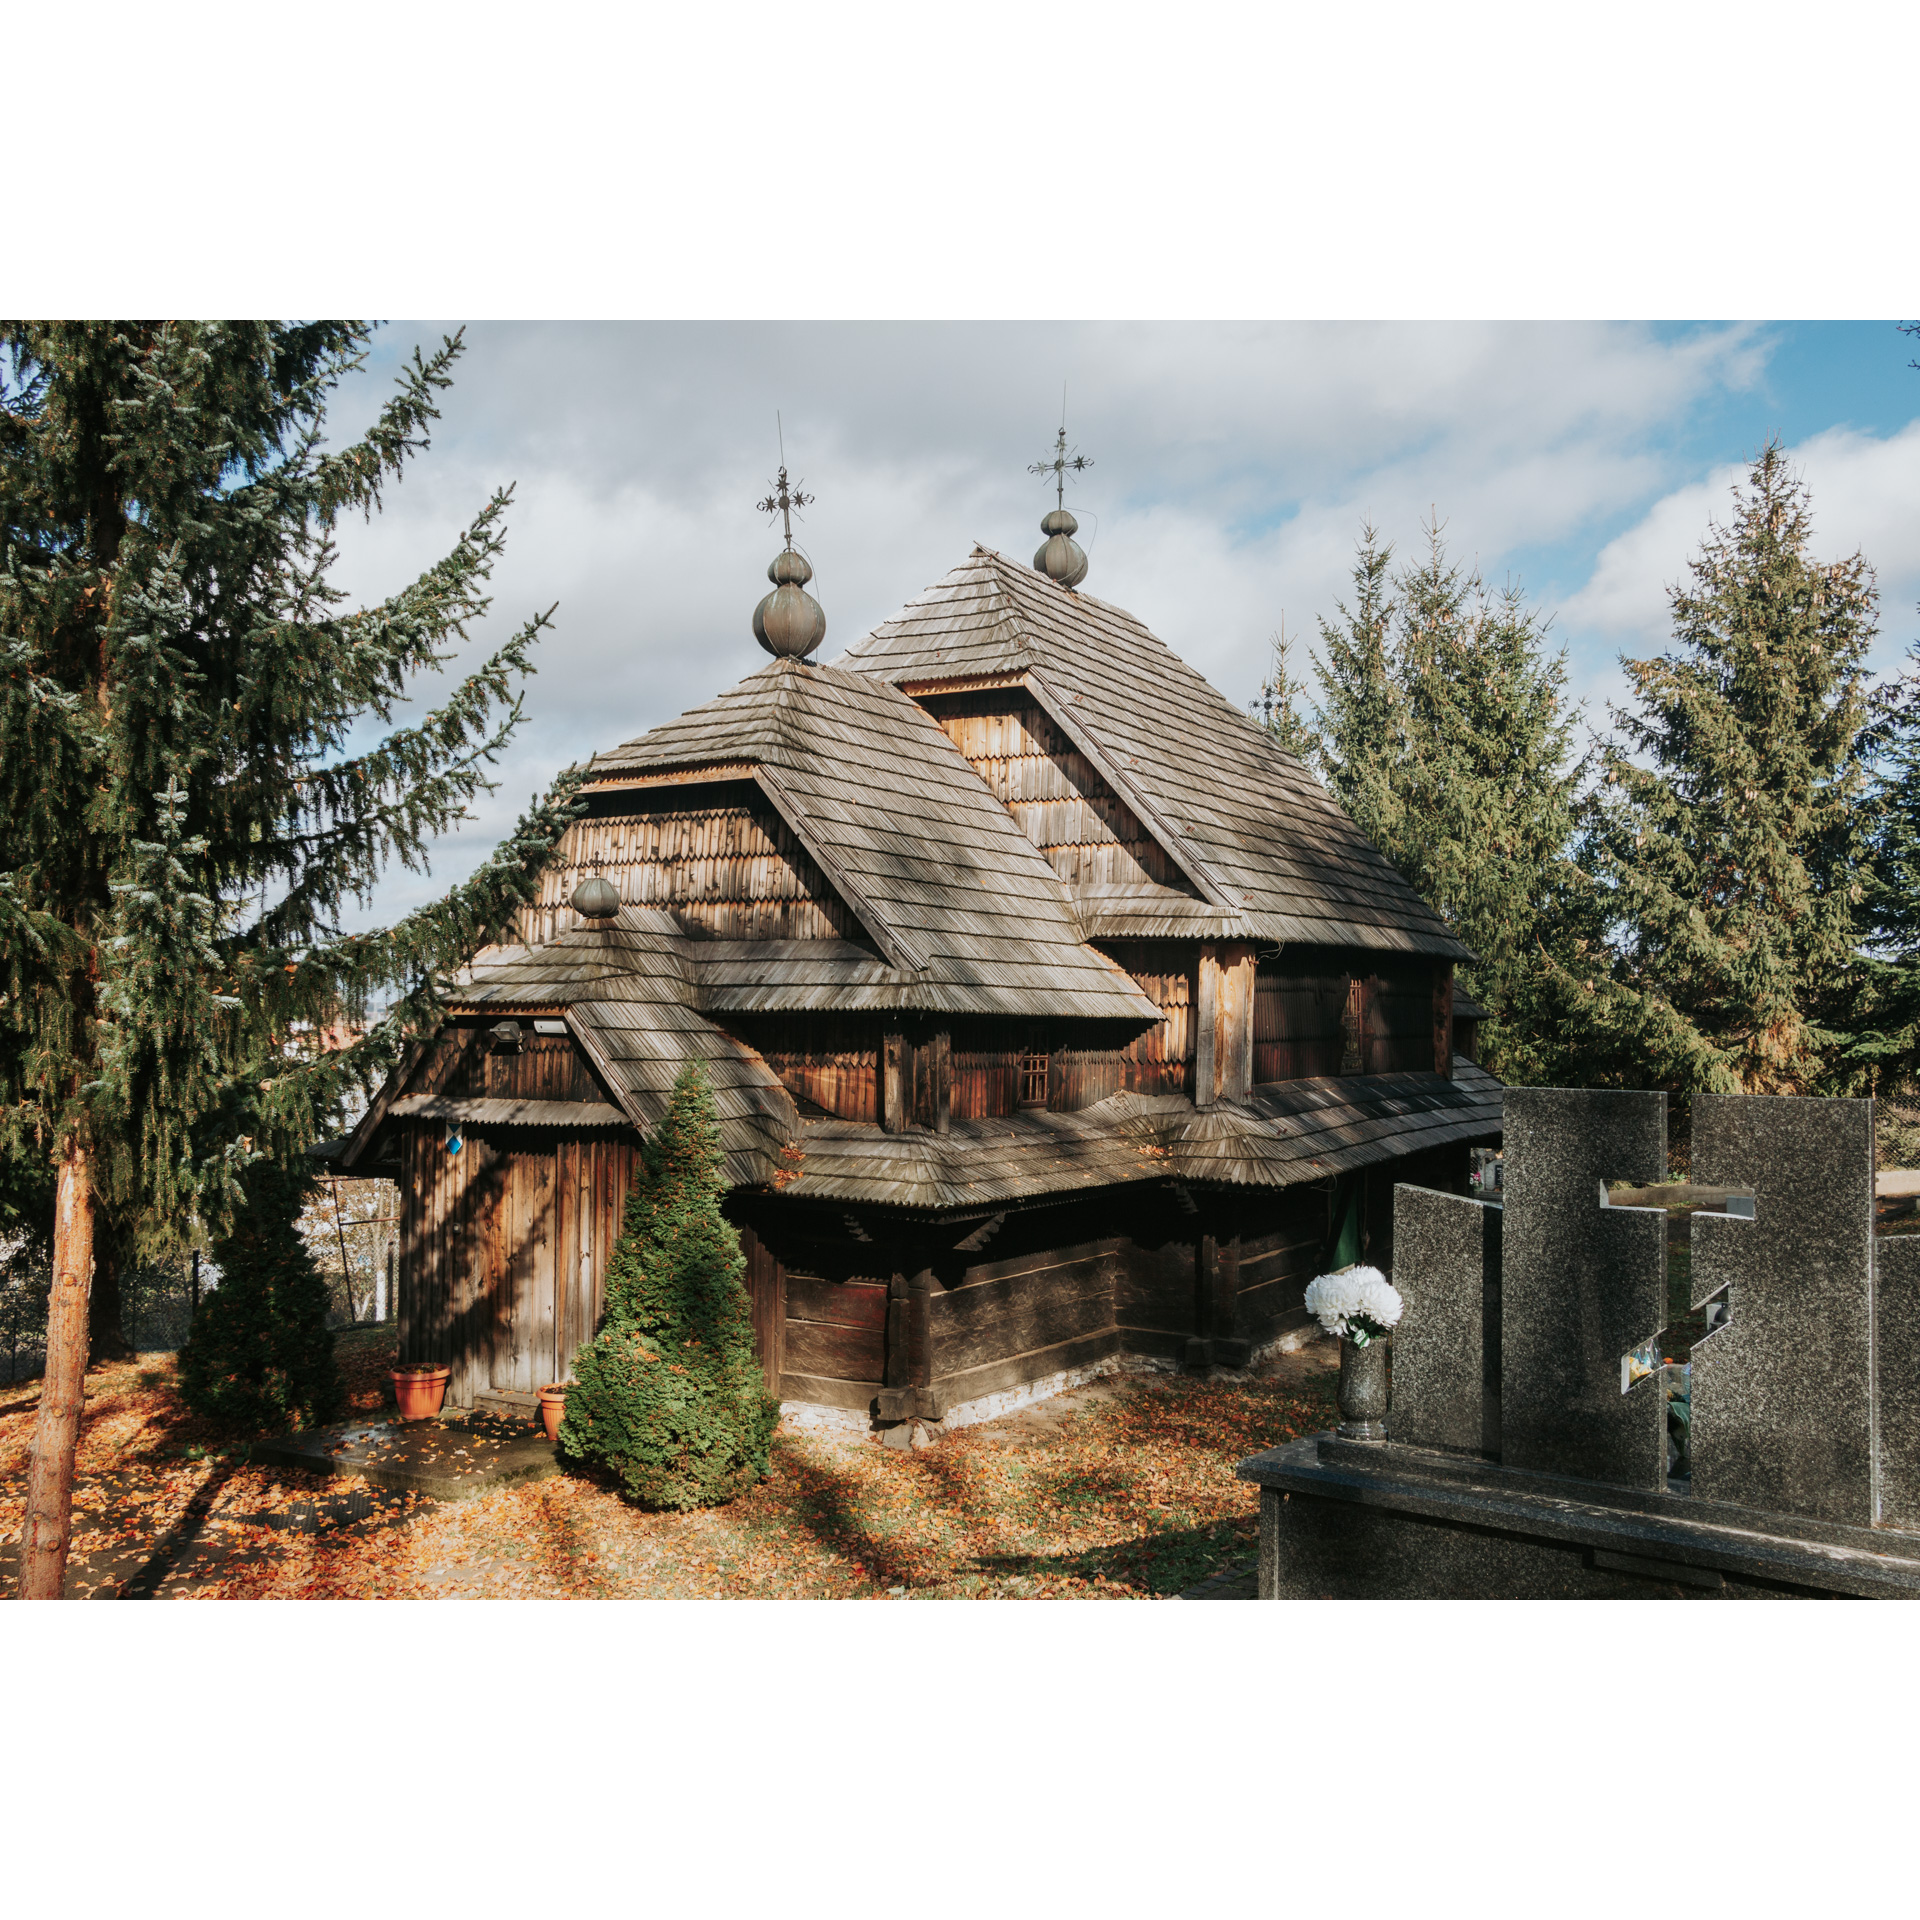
1446,1349
1782,1391
1584,1284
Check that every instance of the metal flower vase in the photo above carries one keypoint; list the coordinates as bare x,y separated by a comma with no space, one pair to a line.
1363,1390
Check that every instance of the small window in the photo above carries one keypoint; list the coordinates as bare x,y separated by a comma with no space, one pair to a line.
1033,1079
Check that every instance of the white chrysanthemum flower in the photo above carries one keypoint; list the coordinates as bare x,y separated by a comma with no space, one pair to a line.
1359,1303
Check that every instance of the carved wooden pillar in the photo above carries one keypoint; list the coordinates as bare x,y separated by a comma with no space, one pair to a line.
1443,1020
896,1081
940,1067
1223,1023
1206,1001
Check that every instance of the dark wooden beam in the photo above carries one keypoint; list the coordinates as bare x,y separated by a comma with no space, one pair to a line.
899,1360
896,1082
941,1049
1443,1020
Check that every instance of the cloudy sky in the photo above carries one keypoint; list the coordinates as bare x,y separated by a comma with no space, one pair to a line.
1234,465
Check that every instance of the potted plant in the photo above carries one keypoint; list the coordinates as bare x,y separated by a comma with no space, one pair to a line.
553,1405
1359,1307
419,1386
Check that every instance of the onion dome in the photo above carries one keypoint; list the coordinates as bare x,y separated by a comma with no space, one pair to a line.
596,898
789,622
1061,557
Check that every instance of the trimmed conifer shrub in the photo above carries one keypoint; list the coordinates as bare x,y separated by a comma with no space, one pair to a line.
259,1357
668,1395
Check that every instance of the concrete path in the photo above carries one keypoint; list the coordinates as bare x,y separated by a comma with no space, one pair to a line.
447,1459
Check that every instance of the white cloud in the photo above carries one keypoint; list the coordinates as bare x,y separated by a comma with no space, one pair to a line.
1864,492
1233,466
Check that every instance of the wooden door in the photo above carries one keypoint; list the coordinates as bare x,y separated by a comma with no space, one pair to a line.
767,1294
477,1261
528,1310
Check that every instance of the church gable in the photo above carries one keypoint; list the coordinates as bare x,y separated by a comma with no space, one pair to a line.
1091,837
468,1060
720,860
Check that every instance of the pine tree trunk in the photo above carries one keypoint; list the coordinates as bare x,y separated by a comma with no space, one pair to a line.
106,1340
45,1537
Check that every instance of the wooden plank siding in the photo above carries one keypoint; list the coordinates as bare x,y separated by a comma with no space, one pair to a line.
829,1062
1310,1024
1089,835
1010,1321
1275,1266
1244,1027
1160,1060
463,1064
503,1252
548,1066
734,870
1224,1022
834,1340
1297,1025
1398,1022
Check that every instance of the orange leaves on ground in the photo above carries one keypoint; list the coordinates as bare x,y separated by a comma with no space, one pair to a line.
1128,1494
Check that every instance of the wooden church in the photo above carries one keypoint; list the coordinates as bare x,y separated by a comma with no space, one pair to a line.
1057,1019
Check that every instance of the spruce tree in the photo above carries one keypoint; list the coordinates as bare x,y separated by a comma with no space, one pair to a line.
259,1357
186,814
1881,1054
1278,704
1448,735
1731,831
1882,1018
1360,729
668,1395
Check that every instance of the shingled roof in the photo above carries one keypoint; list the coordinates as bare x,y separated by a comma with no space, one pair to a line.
967,913
632,993
627,990
1268,850
1301,1130
635,992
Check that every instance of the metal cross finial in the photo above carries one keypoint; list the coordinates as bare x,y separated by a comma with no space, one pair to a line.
785,500
1061,465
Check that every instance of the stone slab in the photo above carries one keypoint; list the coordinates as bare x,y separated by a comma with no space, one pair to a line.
1584,1283
447,1459
516,1409
1897,1364
1446,1349
1783,1387
1342,1522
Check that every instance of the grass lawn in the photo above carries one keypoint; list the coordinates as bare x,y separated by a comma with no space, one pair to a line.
1125,1491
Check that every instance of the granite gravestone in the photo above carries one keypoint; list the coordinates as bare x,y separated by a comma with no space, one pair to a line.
1896,1326
1446,1350
1782,1401
1584,1284
1805,1398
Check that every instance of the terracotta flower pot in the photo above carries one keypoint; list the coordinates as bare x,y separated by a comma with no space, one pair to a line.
553,1404
419,1390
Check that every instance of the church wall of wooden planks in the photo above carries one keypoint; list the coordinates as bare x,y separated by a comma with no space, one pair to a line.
508,1222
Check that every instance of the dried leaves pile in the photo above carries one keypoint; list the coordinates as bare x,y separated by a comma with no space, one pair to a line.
1128,1495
